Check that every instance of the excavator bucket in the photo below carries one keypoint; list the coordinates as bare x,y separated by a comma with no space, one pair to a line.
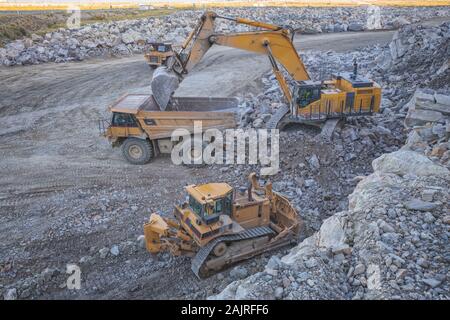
164,83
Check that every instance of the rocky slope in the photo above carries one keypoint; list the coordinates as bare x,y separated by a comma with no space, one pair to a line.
418,56
391,243
131,36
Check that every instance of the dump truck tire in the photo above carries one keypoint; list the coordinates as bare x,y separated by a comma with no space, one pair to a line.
153,66
137,151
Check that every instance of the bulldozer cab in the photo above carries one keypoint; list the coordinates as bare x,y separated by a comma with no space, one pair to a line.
210,201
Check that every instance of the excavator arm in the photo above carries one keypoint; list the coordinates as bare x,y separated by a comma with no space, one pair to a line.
276,44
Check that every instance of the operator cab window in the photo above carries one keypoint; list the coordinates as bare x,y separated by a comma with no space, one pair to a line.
162,48
223,206
227,203
123,120
195,206
218,206
307,95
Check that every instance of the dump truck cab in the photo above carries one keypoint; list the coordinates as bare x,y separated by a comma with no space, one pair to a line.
123,125
158,53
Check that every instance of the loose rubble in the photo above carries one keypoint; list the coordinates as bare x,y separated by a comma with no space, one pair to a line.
389,244
131,36
418,56
391,241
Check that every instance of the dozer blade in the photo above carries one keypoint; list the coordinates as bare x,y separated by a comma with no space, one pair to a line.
154,229
164,83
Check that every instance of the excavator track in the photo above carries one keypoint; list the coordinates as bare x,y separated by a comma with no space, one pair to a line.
275,119
199,260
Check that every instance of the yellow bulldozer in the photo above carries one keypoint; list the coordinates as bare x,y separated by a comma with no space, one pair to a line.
344,95
218,226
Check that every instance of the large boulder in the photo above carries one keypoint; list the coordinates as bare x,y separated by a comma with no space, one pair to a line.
405,162
132,36
397,47
332,234
427,106
355,27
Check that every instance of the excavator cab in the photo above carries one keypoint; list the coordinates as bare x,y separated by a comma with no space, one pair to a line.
306,92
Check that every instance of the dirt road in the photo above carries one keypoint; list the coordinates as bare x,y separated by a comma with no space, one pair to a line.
66,194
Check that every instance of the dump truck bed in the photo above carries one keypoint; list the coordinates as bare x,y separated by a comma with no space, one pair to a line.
132,103
181,113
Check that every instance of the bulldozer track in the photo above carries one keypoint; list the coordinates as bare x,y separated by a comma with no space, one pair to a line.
201,256
275,119
25,196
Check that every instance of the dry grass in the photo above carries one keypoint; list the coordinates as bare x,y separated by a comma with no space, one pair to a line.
188,4
15,26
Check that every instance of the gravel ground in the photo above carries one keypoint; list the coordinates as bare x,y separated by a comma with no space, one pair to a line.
67,197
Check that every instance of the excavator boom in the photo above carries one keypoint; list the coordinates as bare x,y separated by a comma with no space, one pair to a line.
307,101
274,41
281,48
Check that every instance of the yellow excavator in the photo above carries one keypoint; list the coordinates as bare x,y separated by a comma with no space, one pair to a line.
345,94
219,226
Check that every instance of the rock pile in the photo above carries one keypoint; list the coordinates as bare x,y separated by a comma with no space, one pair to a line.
418,56
429,118
131,36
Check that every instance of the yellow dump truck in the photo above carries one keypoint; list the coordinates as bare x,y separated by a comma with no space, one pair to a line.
158,54
219,225
144,131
